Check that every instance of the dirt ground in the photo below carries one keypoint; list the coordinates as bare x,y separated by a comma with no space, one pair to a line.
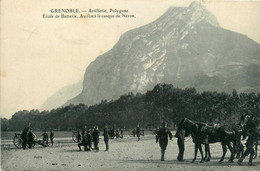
124,154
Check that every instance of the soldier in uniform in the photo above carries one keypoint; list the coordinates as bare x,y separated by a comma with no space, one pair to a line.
117,133
51,136
180,142
78,136
162,136
122,133
24,136
83,132
239,148
138,132
113,132
253,134
95,136
45,138
256,145
106,137
89,140
84,141
30,138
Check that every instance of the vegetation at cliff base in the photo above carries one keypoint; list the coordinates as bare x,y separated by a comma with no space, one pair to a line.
163,102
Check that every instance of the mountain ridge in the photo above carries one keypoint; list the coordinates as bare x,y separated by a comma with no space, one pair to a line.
185,47
61,96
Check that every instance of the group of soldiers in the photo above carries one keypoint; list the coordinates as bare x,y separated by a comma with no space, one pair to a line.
45,138
28,137
115,133
86,137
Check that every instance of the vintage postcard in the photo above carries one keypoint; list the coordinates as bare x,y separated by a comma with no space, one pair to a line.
130,85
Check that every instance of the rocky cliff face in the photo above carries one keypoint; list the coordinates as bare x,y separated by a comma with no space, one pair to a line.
185,47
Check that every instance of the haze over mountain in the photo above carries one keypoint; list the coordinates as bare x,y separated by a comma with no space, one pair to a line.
61,97
185,47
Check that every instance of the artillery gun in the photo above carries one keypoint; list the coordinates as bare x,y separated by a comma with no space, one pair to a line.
17,140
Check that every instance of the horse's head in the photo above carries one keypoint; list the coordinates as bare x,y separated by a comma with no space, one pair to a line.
181,126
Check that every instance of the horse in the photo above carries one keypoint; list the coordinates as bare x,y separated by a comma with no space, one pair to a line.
200,131
206,126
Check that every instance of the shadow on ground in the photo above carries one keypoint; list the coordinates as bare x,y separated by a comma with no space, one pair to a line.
189,163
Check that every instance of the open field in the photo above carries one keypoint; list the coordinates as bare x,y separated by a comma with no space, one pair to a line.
124,154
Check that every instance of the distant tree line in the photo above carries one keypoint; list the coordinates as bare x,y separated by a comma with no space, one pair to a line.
148,110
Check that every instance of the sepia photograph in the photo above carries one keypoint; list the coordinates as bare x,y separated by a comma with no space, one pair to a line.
120,85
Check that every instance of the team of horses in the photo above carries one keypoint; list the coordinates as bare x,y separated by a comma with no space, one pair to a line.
204,133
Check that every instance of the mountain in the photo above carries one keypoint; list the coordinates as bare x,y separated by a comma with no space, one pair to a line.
61,97
185,47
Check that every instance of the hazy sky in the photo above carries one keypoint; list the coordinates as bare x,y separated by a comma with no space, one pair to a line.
40,56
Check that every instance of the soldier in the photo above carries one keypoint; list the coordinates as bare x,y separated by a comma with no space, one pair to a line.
122,133
239,148
84,141
51,137
252,134
106,137
256,145
24,136
162,136
95,136
117,133
30,138
134,132
78,136
89,143
138,132
180,142
83,132
45,138
113,132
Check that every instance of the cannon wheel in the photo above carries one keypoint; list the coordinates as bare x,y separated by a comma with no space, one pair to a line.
17,140
74,137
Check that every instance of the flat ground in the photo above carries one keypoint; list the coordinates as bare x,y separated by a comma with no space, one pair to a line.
124,154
